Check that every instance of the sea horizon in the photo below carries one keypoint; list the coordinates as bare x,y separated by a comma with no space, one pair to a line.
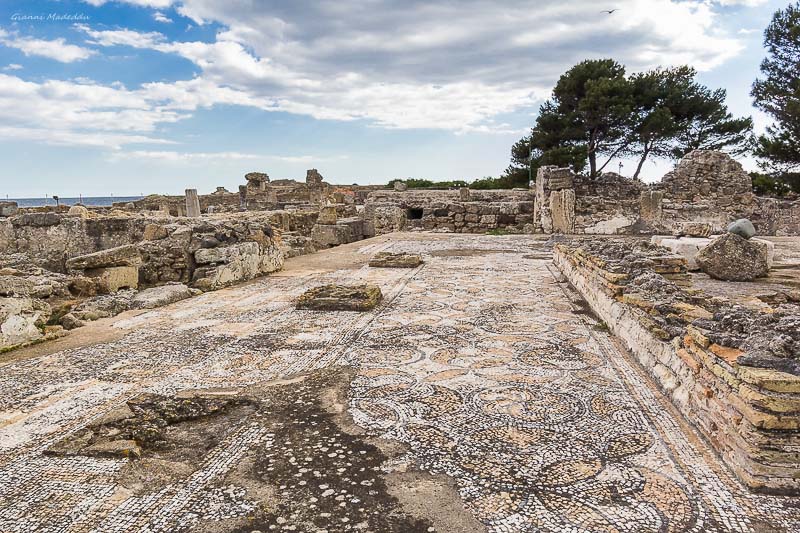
94,201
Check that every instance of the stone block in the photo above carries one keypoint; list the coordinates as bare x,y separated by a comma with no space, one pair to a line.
78,211
325,236
395,260
112,279
686,247
327,215
192,203
160,296
8,209
734,258
341,298
36,219
127,255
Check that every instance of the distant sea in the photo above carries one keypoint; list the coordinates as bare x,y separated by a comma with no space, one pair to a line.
97,201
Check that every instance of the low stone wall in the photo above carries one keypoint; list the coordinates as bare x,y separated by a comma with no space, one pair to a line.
706,190
459,211
749,412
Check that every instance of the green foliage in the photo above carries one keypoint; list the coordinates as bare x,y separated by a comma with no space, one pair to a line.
414,183
674,114
503,182
596,113
765,185
778,93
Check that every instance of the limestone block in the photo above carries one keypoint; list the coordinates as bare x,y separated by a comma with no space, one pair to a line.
395,260
36,219
78,211
612,226
8,209
160,296
192,203
327,215
734,258
562,210
686,247
154,232
127,255
19,320
112,279
650,206
341,298
324,236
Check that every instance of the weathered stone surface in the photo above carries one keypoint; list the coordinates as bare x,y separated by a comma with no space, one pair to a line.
327,215
78,211
734,258
127,255
160,296
400,186
341,298
562,207
395,260
111,279
154,232
104,306
20,319
686,247
8,209
324,236
742,228
70,321
36,219
192,203
694,229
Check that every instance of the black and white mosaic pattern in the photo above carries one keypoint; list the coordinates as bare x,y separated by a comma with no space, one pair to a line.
476,359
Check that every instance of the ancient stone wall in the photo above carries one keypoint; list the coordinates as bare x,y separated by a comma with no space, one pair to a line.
706,189
718,362
460,211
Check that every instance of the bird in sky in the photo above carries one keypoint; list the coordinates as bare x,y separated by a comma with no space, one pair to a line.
609,11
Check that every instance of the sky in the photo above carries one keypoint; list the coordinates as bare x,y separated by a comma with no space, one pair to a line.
124,97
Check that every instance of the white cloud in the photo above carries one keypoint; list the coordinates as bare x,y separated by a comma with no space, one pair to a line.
57,49
214,157
425,65
160,4
458,67
12,66
158,16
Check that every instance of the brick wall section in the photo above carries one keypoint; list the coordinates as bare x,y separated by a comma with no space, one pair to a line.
750,415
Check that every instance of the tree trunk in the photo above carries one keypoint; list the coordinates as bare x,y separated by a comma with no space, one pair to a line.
641,161
592,156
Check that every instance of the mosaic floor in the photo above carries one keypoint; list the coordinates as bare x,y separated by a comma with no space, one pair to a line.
477,360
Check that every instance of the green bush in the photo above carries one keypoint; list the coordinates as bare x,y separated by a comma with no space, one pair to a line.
766,185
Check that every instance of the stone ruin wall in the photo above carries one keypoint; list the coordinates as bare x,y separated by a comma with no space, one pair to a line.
706,189
458,211
728,383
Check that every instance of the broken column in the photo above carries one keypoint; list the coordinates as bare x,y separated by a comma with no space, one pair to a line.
554,208
192,203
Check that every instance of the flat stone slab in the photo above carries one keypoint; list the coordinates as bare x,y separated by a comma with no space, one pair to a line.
341,298
127,255
395,260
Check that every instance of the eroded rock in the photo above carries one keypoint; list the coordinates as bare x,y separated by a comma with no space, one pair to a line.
160,296
734,258
341,298
395,260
